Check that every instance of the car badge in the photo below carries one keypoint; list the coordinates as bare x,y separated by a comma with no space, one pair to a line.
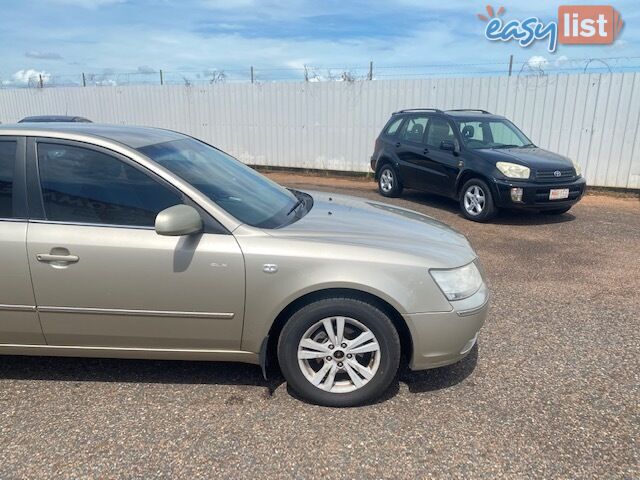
557,173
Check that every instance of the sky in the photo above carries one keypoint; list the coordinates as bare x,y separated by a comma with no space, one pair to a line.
120,41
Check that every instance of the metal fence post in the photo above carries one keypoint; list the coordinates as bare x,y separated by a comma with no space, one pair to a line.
84,80
161,78
251,74
370,75
510,64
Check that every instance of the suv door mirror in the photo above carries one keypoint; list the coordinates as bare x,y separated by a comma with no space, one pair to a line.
178,220
450,146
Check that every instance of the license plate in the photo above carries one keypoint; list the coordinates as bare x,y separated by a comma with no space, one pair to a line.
558,193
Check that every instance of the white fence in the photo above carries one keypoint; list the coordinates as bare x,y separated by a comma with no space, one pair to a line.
592,118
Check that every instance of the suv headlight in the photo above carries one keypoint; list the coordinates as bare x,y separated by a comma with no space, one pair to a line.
578,168
458,283
513,170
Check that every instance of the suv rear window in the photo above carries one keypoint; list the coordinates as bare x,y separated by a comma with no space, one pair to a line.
7,165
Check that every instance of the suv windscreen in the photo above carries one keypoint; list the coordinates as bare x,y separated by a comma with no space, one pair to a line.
477,134
241,191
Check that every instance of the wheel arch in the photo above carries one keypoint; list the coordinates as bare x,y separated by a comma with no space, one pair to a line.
467,175
406,343
382,161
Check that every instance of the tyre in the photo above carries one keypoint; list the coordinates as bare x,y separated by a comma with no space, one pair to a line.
339,352
389,184
557,211
476,201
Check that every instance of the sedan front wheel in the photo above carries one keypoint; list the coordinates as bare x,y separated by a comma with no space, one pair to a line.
339,352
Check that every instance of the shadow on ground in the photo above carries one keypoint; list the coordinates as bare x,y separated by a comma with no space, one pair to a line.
504,217
62,369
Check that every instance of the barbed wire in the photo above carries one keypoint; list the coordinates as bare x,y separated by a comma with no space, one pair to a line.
320,73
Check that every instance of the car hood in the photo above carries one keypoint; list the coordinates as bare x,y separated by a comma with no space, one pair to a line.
346,220
534,157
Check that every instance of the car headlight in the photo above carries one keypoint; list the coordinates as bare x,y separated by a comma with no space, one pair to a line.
458,283
578,168
513,170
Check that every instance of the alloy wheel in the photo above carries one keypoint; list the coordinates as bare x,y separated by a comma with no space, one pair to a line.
338,354
387,180
474,200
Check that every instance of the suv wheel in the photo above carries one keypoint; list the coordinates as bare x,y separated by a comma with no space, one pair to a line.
389,182
476,201
339,352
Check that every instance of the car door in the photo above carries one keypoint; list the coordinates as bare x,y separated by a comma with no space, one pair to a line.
19,322
415,170
444,163
101,274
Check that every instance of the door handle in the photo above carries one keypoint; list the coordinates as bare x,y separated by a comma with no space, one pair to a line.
425,151
398,144
48,257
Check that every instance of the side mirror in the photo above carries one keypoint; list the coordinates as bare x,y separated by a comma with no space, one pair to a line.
450,146
178,220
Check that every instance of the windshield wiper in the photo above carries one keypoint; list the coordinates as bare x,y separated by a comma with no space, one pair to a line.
505,146
527,145
295,206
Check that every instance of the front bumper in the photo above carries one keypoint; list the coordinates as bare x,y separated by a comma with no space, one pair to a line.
535,196
443,338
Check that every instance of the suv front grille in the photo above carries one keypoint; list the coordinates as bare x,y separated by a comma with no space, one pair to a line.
552,176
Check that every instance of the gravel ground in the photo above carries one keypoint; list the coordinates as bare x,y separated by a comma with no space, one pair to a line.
552,391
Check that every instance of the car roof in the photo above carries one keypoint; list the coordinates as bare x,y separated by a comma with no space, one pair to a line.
54,118
131,136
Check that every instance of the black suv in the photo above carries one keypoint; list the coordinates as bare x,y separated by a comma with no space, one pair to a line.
482,160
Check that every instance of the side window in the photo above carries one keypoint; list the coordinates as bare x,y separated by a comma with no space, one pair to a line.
413,130
7,165
472,131
437,131
85,186
393,127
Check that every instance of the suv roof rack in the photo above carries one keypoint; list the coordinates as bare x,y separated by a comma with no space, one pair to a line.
419,110
468,110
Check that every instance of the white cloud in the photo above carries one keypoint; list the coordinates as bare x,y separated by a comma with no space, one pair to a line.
31,76
538,62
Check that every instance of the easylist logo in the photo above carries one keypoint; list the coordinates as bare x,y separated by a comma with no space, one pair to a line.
576,25
588,24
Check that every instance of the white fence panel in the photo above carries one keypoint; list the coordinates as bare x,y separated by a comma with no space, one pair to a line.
592,118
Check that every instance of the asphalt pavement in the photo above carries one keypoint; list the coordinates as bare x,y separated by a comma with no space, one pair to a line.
551,391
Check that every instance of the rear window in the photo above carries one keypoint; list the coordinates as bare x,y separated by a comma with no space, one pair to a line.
7,165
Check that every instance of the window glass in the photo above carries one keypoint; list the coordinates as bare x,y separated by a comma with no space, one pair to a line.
505,135
393,128
492,134
439,130
472,131
413,130
241,191
85,186
7,165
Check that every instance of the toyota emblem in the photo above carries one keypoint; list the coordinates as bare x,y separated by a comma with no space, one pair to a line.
557,173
